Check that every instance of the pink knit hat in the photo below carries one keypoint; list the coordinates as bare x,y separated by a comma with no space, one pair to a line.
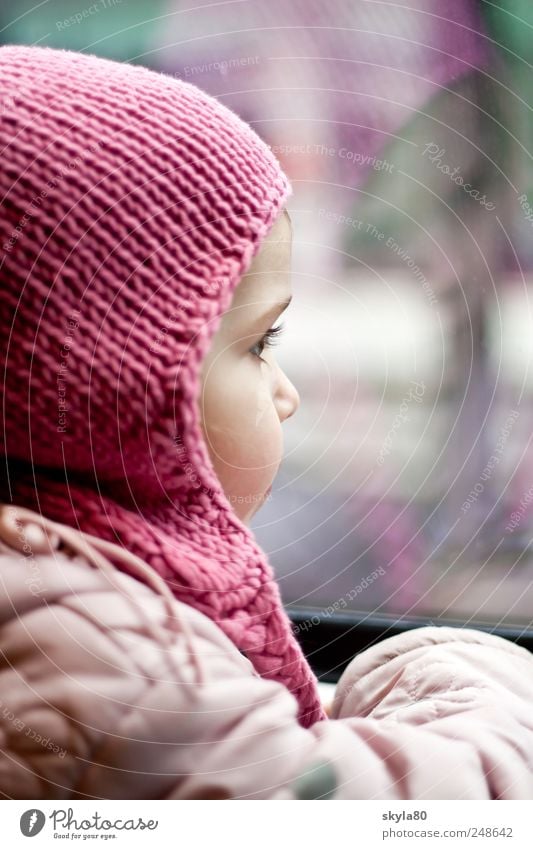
132,205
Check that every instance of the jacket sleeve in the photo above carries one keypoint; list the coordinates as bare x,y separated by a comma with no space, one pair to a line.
435,713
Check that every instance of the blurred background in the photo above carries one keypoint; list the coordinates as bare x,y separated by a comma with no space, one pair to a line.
406,130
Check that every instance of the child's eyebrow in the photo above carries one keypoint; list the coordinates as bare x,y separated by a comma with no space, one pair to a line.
259,321
276,308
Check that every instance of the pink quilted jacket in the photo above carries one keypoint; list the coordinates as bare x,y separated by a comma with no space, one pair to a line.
110,688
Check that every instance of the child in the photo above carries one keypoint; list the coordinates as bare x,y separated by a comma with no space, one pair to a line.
146,652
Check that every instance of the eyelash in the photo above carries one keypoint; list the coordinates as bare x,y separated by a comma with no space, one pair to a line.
267,340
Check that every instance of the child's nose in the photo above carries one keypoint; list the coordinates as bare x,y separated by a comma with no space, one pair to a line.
288,398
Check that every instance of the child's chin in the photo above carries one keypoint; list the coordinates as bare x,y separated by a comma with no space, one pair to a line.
258,504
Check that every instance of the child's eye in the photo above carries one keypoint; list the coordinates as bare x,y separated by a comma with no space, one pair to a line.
267,340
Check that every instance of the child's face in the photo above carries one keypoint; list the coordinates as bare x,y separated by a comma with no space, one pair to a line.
245,395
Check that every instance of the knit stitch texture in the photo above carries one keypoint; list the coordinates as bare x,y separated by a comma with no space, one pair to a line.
132,203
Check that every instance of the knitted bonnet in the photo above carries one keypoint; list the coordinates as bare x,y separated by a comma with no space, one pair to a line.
132,204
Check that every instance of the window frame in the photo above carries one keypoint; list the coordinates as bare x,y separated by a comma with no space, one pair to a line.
333,642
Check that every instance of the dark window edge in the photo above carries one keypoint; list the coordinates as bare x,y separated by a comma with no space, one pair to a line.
331,643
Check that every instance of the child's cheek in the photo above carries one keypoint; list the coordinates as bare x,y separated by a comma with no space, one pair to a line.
263,405
267,433
243,424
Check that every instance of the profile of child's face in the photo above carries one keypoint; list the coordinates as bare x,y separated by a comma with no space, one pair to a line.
245,395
